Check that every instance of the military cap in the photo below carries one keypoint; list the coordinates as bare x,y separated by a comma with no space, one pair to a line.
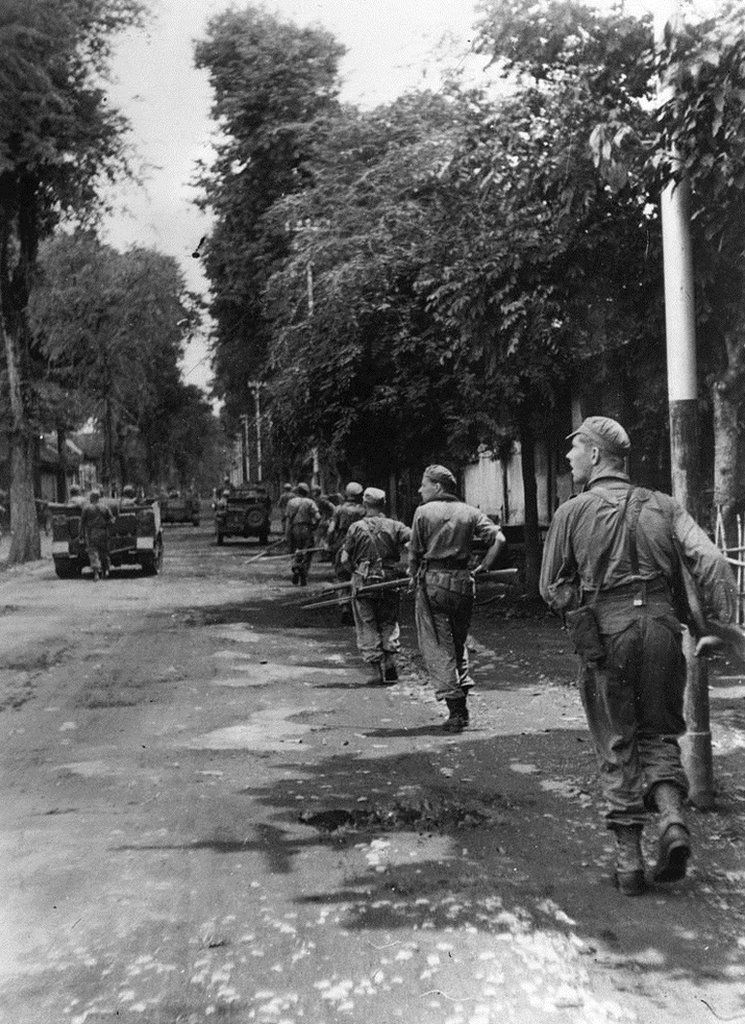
302,489
605,433
353,490
373,496
128,491
441,475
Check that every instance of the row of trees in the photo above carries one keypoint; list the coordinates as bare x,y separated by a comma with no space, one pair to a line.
87,332
437,273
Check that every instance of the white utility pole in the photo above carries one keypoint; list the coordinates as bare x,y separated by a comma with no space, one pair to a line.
256,386
682,385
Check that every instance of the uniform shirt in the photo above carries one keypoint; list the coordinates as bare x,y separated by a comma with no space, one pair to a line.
95,519
302,511
284,498
586,526
386,541
444,531
344,515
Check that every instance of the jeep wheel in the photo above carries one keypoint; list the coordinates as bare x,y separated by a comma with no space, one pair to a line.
68,569
153,564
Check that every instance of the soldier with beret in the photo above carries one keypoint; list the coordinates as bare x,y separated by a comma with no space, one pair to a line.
301,518
372,550
614,550
442,537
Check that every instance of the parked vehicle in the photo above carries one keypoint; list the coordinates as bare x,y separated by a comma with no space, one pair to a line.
180,508
136,538
243,513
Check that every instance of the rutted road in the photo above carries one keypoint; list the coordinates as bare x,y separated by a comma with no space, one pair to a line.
206,815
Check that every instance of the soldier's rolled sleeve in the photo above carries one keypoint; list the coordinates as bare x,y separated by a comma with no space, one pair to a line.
709,567
557,556
417,545
486,530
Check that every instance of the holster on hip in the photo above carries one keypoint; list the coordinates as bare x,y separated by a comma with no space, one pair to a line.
582,626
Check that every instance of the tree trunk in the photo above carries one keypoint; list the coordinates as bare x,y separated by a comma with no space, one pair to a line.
25,544
727,456
61,465
531,530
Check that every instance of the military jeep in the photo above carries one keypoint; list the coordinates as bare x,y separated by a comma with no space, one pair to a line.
180,508
136,538
243,513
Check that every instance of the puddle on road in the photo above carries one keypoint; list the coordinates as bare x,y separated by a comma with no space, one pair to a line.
89,769
266,730
253,674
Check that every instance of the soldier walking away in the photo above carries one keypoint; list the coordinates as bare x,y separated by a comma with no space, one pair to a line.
372,550
442,537
610,564
95,523
350,511
326,508
282,504
302,516
75,497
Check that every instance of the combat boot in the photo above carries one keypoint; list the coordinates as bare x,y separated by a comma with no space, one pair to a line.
379,678
391,672
675,841
458,719
629,877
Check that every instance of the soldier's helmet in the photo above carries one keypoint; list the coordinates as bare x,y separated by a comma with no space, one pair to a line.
303,489
74,490
353,491
128,491
226,493
94,496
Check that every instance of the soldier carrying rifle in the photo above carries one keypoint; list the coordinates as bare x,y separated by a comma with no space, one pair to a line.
372,550
443,533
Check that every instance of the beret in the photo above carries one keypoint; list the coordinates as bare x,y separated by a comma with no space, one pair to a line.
374,496
605,433
353,490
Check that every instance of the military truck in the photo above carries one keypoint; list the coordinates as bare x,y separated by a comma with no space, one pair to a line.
180,508
244,512
136,538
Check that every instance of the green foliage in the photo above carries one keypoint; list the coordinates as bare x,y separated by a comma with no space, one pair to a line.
269,79
110,326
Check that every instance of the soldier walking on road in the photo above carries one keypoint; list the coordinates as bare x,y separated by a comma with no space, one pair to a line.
610,563
95,523
302,515
350,511
442,536
282,504
372,550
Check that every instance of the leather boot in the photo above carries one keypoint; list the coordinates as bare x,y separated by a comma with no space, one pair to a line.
379,678
675,841
391,672
629,864
458,719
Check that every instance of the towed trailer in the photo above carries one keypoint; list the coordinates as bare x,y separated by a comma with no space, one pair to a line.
136,538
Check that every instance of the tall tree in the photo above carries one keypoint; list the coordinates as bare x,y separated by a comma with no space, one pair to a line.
110,326
270,78
58,139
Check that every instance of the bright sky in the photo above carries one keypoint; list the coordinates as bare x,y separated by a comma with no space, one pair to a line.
392,45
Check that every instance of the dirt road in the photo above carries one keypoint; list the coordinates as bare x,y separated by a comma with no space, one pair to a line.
207,815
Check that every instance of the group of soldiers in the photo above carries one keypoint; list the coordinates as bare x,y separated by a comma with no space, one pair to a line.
611,568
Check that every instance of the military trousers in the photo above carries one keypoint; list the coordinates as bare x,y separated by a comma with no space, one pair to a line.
633,702
376,627
442,611
97,546
301,538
